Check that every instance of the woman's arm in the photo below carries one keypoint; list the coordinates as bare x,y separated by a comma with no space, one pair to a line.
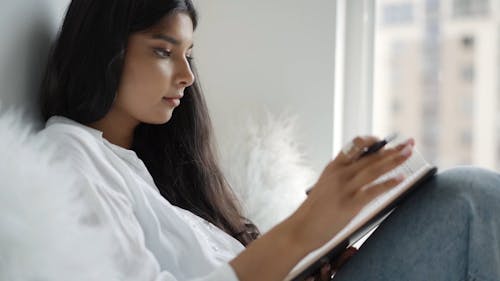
271,256
341,191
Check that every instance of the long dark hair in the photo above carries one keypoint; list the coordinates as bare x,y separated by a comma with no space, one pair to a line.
80,82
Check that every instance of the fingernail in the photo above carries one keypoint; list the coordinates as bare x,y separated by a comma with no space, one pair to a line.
326,268
406,151
408,142
399,177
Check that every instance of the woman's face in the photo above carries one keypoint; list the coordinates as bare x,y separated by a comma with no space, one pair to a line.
156,71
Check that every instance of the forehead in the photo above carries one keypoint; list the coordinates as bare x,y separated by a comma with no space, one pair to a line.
178,25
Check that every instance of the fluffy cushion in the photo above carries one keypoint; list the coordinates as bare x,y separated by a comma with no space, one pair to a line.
265,166
45,233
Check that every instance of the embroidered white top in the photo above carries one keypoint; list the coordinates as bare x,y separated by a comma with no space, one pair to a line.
154,239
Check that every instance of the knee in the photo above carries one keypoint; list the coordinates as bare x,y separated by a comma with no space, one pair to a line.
471,183
469,177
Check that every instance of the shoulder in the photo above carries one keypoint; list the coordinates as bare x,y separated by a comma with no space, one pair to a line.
72,141
64,131
82,150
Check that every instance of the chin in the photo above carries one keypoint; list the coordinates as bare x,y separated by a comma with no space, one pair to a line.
158,120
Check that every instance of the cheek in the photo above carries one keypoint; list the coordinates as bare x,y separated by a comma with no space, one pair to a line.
144,81
149,73
160,73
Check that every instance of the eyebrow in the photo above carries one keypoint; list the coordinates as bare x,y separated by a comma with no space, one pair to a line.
169,39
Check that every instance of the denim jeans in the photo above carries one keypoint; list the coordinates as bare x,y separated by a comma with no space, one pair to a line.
449,229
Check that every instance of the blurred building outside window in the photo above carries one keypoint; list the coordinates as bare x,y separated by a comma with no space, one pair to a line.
436,77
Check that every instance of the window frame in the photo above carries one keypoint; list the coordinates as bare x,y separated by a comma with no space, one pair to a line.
354,58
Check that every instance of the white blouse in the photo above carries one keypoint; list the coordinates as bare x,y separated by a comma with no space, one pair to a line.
155,240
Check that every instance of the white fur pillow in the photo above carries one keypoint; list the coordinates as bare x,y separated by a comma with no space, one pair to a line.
41,233
266,168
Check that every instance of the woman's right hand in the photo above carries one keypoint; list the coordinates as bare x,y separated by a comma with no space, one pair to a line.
339,194
343,188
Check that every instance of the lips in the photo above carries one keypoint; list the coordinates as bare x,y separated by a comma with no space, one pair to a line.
173,101
174,97
179,96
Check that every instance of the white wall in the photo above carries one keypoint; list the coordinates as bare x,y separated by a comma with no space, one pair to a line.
274,54
26,31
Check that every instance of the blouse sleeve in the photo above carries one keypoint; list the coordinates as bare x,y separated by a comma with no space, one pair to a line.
223,273
108,213
110,234
122,247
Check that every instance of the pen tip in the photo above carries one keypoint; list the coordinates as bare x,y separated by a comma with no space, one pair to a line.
391,137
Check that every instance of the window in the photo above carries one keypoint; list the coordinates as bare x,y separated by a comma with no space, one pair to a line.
470,8
436,79
468,42
467,74
398,13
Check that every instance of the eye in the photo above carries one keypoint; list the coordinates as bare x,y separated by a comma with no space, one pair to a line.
163,53
190,58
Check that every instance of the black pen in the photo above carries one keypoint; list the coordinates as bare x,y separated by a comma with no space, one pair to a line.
377,146
371,149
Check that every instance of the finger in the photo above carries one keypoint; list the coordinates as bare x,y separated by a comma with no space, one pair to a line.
379,166
325,272
344,257
379,155
368,194
353,149
316,276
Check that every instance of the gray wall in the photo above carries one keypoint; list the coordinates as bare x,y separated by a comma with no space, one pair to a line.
273,54
26,30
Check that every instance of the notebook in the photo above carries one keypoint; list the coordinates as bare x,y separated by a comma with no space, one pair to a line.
416,169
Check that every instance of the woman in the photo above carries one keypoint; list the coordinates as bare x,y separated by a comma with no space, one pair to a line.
122,102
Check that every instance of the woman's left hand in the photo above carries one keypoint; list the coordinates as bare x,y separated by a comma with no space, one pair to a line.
325,273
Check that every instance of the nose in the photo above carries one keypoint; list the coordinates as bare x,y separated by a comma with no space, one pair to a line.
185,76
